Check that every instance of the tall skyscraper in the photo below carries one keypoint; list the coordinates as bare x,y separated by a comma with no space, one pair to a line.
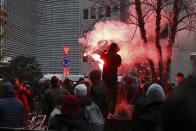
41,28
57,24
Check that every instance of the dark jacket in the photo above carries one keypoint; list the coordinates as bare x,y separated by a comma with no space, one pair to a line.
99,95
83,101
110,68
11,109
148,117
68,122
50,98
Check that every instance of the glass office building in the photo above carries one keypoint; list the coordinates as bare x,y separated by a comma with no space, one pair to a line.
41,28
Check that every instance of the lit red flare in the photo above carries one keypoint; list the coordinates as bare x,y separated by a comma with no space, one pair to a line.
97,58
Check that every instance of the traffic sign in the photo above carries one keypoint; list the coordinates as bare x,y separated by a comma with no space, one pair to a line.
66,49
66,72
66,61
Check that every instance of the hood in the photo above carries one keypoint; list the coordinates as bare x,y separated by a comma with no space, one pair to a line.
8,90
155,93
84,100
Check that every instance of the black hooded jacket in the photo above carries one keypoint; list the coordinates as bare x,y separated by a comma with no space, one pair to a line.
98,94
68,122
83,101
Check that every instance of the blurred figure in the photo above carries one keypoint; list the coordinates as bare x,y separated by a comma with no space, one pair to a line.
179,77
11,109
110,71
81,92
23,94
81,81
57,109
179,111
98,92
15,82
147,118
88,109
68,86
70,119
50,97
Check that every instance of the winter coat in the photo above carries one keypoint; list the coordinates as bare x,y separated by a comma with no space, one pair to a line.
11,109
50,98
148,118
83,101
68,122
98,94
147,114
56,111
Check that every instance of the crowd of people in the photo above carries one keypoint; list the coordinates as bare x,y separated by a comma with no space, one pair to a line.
86,106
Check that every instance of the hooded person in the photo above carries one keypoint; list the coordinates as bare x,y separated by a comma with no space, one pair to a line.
112,61
50,97
155,93
147,118
11,109
81,92
98,92
70,119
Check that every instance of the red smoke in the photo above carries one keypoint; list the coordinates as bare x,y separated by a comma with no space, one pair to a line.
127,36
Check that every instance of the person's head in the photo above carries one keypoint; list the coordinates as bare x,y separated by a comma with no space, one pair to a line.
81,80
155,93
179,77
71,83
54,81
80,90
95,75
66,82
114,48
15,81
8,90
70,104
179,111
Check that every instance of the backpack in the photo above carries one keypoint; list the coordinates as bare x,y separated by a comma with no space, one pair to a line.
94,117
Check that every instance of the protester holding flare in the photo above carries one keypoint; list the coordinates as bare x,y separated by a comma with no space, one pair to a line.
110,68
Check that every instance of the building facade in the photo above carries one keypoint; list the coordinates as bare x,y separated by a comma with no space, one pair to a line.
42,27
21,17
57,24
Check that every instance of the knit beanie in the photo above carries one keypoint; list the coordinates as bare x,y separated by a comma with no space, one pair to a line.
80,90
155,93
70,103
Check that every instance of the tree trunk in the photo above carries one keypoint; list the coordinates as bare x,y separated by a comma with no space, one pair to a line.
157,42
143,37
173,29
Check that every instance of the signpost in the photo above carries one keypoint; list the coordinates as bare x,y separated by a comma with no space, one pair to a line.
66,72
66,61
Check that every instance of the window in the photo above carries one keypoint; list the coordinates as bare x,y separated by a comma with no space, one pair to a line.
101,12
93,13
108,11
85,14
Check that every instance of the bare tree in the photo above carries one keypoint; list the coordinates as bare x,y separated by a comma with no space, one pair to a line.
181,17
